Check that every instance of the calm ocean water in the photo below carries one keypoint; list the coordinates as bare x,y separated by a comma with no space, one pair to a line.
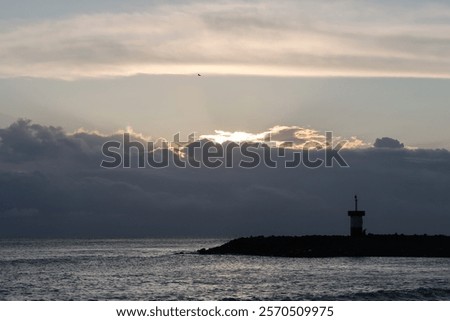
167,269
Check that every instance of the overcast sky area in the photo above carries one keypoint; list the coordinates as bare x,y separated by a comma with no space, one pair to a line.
84,71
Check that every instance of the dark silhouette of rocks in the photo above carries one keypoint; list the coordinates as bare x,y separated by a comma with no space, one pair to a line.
337,246
357,244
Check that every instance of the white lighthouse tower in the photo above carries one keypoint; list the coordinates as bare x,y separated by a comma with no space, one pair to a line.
356,220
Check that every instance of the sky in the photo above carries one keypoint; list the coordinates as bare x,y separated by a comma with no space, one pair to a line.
359,68
83,71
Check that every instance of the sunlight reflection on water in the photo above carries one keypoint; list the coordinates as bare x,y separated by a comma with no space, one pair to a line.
167,269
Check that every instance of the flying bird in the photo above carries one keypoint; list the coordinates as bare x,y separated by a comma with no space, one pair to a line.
198,75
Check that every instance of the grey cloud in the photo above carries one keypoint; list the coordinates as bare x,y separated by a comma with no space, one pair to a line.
57,194
22,212
387,142
24,141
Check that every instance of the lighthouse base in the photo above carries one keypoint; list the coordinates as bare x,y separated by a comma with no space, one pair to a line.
357,232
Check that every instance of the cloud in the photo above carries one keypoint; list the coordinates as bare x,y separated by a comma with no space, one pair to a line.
62,191
23,141
289,38
387,142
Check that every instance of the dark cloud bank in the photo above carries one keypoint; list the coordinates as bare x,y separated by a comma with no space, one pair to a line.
51,185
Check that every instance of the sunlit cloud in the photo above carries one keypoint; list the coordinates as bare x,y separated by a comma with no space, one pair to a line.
222,136
285,136
133,133
288,38
278,136
82,130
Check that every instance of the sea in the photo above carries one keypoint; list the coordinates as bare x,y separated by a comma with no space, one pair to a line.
170,269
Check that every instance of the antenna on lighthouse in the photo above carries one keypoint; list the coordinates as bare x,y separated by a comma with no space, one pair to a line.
356,203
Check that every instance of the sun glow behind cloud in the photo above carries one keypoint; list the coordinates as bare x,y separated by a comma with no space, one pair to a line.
222,136
278,136
288,38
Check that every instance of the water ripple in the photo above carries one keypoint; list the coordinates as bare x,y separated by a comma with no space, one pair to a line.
158,269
